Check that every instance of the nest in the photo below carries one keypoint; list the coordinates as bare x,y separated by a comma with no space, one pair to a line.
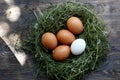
53,20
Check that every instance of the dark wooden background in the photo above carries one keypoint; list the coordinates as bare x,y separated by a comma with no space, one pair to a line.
108,10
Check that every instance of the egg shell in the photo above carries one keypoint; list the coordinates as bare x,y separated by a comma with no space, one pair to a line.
65,37
75,25
49,40
61,52
78,46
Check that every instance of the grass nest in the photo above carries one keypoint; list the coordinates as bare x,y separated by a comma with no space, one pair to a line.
54,19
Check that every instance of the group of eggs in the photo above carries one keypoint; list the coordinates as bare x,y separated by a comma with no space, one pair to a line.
67,42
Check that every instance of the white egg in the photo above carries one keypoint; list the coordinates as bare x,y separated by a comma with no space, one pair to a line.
78,46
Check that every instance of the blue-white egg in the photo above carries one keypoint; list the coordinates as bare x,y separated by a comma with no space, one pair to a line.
78,46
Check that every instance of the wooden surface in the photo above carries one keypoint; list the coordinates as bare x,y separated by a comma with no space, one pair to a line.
10,68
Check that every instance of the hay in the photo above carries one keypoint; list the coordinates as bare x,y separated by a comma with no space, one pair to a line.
75,67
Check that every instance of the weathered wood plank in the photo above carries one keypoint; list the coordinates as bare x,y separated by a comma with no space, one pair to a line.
108,10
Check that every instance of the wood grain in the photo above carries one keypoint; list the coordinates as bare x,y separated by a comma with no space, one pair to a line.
108,10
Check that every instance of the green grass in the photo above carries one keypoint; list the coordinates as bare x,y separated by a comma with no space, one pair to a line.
54,19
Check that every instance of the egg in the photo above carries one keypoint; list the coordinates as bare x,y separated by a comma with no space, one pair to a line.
49,40
78,46
61,52
75,25
65,37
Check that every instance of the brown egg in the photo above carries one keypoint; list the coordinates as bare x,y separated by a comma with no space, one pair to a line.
75,25
65,37
61,52
49,40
